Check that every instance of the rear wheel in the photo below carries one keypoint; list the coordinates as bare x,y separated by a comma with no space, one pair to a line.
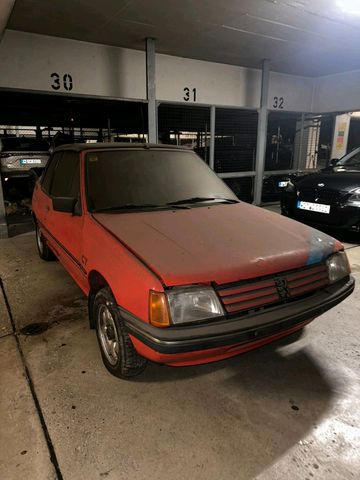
117,351
44,251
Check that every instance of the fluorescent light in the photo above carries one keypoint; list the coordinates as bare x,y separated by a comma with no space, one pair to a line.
349,6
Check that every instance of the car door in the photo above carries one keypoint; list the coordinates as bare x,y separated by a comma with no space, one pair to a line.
41,196
65,228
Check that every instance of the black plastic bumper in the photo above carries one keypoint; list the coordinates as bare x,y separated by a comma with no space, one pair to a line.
341,216
244,329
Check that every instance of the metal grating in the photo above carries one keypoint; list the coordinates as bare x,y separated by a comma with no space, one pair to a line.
235,140
185,125
245,296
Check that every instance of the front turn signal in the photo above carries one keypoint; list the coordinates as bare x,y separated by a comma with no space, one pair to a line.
158,312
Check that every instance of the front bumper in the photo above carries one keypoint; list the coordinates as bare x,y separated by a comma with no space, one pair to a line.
341,216
240,330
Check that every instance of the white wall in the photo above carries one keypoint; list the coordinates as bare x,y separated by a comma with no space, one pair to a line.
27,61
340,92
292,93
215,83
228,85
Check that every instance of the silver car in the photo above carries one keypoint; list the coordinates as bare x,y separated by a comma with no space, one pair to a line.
19,155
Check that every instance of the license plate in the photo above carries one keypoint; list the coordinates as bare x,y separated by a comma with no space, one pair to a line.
282,184
313,207
30,161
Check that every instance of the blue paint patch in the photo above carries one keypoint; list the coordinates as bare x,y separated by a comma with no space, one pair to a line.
321,247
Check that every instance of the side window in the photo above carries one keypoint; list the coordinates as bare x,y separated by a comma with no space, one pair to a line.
66,182
49,172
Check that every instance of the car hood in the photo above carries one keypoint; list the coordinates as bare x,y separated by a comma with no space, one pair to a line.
221,243
335,179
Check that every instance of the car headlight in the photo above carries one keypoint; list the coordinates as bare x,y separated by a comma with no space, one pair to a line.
338,267
290,187
182,305
354,199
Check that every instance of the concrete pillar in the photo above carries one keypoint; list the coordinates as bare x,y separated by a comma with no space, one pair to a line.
261,133
212,137
151,90
6,7
3,224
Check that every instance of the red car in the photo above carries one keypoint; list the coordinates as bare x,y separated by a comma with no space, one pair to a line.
176,269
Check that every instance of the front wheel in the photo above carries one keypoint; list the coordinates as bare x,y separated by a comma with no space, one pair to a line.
43,249
117,351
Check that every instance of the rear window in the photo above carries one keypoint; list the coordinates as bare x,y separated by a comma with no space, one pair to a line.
16,144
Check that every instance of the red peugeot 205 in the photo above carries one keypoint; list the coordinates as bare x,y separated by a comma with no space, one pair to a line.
176,269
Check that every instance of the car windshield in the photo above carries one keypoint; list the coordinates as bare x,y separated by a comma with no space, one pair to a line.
352,159
150,178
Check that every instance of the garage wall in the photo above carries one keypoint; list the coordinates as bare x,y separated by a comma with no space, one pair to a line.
51,64
214,83
196,81
290,93
340,92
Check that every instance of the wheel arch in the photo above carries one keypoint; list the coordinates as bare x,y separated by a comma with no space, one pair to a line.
96,282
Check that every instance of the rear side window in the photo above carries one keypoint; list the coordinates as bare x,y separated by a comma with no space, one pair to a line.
49,172
66,182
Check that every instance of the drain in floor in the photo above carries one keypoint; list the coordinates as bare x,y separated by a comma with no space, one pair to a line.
34,328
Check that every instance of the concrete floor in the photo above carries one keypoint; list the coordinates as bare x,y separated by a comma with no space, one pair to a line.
287,411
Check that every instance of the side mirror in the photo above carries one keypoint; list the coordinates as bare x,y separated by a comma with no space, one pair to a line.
64,204
333,162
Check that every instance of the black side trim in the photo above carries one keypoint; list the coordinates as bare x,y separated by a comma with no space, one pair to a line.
238,330
74,260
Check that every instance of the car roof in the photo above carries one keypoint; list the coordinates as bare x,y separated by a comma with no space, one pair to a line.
79,147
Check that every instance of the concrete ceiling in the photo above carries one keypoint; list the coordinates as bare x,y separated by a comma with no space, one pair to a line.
302,37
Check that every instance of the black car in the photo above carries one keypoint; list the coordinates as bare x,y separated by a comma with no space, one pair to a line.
328,198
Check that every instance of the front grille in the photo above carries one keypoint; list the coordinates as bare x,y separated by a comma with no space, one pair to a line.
282,287
320,195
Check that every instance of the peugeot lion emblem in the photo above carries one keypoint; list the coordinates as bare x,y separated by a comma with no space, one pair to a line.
282,287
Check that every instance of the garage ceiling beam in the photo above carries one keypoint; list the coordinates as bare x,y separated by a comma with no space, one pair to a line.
6,7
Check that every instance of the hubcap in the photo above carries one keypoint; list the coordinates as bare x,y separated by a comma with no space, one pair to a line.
39,240
108,335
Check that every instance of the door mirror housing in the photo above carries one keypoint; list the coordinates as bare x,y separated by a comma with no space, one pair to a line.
64,204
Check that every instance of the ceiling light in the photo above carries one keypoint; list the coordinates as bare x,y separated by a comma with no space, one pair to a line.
349,6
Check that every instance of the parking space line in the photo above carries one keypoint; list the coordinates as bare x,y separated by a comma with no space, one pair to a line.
53,457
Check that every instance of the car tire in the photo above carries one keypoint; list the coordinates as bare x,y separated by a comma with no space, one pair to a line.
43,249
117,351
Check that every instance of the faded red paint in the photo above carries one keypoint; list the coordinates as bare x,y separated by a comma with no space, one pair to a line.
138,252
222,243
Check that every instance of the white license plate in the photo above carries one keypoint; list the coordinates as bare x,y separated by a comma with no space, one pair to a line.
30,161
282,184
313,207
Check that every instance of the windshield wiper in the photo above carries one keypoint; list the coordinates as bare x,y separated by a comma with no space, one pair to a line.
134,206
203,199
